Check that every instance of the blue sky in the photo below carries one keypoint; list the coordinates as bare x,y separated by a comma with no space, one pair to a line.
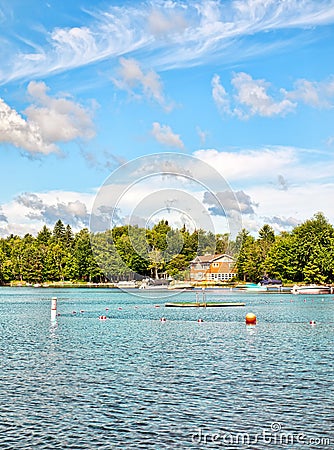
245,86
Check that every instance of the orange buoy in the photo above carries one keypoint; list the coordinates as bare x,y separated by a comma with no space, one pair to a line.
250,319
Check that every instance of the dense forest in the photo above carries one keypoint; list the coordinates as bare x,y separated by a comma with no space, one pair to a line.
306,254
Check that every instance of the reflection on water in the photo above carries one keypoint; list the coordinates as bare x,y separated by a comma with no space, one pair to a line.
137,382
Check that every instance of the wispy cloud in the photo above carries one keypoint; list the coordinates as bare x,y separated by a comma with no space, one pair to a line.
165,135
166,22
137,83
104,161
202,135
166,34
313,93
220,96
48,121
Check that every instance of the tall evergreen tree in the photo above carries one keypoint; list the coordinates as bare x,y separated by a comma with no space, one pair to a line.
44,235
59,232
68,236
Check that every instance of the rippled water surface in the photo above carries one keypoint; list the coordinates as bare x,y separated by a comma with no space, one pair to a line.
133,381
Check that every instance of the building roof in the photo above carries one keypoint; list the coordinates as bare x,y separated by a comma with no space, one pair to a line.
210,258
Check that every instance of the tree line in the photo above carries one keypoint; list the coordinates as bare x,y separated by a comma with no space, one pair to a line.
306,254
123,253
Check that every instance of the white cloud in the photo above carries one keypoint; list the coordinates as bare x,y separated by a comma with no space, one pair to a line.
253,96
312,93
74,42
17,131
59,119
288,185
48,121
220,96
244,165
167,34
278,185
165,135
279,167
165,22
73,212
136,82
250,98
28,212
299,202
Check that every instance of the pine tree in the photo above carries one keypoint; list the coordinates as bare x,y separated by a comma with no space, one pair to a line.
44,236
59,232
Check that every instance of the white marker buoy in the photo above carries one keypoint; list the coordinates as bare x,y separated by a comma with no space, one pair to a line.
54,308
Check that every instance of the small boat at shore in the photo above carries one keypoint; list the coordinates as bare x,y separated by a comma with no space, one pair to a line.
180,285
311,289
126,285
251,287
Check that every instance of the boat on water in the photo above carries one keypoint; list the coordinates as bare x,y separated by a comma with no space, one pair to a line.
153,287
150,284
311,289
251,287
180,285
126,285
266,281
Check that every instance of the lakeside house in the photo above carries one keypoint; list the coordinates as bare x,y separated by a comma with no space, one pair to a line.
212,268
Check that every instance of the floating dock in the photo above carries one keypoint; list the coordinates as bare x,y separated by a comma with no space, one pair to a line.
203,304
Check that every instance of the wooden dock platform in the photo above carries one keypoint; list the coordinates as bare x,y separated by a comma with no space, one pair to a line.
203,304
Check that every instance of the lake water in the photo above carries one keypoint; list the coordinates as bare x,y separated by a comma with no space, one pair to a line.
135,382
